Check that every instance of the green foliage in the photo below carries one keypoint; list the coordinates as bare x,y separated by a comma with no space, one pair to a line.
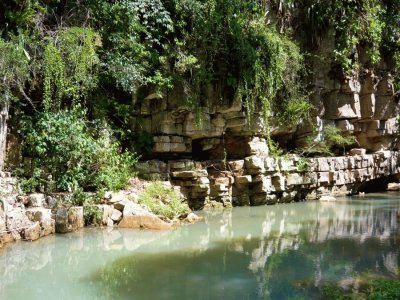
14,68
134,35
65,150
92,215
384,289
69,64
355,23
163,200
333,136
303,164
387,289
330,138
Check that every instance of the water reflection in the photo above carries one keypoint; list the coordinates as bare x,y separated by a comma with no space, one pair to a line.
278,252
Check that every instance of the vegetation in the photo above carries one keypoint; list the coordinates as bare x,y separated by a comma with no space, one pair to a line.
376,289
67,154
163,200
76,70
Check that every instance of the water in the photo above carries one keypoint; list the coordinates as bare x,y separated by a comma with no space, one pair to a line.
273,252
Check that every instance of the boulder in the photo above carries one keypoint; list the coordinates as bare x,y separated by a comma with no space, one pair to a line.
144,222
69,219
393,186
327,199
38,214
16,219
110,222
52,202
106,212
135,216
48,226
62,220
116,215
37,200
358,151
75,218
243,179
192,218
44,217
32,233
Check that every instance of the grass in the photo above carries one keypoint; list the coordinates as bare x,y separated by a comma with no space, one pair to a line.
162,200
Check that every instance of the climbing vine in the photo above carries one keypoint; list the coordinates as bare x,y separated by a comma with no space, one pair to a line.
70,62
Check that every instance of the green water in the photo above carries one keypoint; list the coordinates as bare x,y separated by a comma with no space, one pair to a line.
273,252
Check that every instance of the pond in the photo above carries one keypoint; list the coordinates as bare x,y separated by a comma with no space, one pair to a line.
288,251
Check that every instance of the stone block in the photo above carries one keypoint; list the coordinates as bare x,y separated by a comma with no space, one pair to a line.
37,200
75,218
386,108
385,87
246,179
324,178
322,164
367,104
32,233
258,146
287,165
279,183
263,186
116,215
358,151
67,220
237,122
341,106
262,199
294,179
350,86
254,165
17,219
144,222
38,214
271,164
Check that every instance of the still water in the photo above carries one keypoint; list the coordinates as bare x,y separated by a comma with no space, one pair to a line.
285,251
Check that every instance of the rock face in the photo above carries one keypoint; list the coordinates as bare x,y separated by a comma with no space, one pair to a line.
363,105
259,180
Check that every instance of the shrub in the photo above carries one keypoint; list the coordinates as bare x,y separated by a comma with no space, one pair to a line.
333,136
163,200
67,153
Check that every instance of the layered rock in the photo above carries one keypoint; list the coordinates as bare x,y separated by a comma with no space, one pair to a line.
258,180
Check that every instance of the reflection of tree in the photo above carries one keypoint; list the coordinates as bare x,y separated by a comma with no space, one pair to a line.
263,252
343,239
